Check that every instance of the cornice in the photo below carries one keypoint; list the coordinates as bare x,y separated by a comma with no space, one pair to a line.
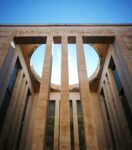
65,25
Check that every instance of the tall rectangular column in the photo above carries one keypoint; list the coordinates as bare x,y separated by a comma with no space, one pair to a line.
115,117
119,108
109,143
16,114
6,71
10,112
89,125
41,112
19,119
25,128
75,125
29,136
99,121
112,121
56,125
64,138
122,59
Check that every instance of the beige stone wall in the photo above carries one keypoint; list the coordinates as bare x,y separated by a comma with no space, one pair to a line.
96,122
12,122
121,56
98,118
7,32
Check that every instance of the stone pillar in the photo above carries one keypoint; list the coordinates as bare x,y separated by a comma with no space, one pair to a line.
19,118
115,116
99,121
22,144
16,114
112,121
109,144
56,125
119,108
6,71
75,125
12,105
88,118
123,63
29,136
124,57
41,112
64,136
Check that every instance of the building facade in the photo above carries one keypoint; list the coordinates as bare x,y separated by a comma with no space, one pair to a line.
95,114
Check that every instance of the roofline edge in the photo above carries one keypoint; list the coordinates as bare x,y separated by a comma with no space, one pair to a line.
61,25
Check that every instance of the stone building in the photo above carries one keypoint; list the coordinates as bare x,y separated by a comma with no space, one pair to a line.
93,114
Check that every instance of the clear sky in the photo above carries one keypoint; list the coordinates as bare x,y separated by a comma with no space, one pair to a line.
91,57
65,11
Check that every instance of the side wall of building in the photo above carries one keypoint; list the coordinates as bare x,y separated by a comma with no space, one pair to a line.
108,117
115,94
16,94
74,97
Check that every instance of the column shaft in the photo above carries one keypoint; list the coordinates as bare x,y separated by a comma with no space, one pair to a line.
75,126
12,105
115,116
19,119
23,137
122,52
99,121
29,137
112,121
89,125
16,114
119,108
5,72
64,138
41,112
106,124
56,126
123,65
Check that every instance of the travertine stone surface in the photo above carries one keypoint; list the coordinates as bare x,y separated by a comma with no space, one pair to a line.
22,143
5,42
5,72
12,107
111,115
89,126
124,56
29,135
75,125
120,111
115,51
108,143
113,41
115,116
19,119
123,77
15,122
41,112
98,121
64,135
56,125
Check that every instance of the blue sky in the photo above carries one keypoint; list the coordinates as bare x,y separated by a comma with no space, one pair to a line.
65,11
91,57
